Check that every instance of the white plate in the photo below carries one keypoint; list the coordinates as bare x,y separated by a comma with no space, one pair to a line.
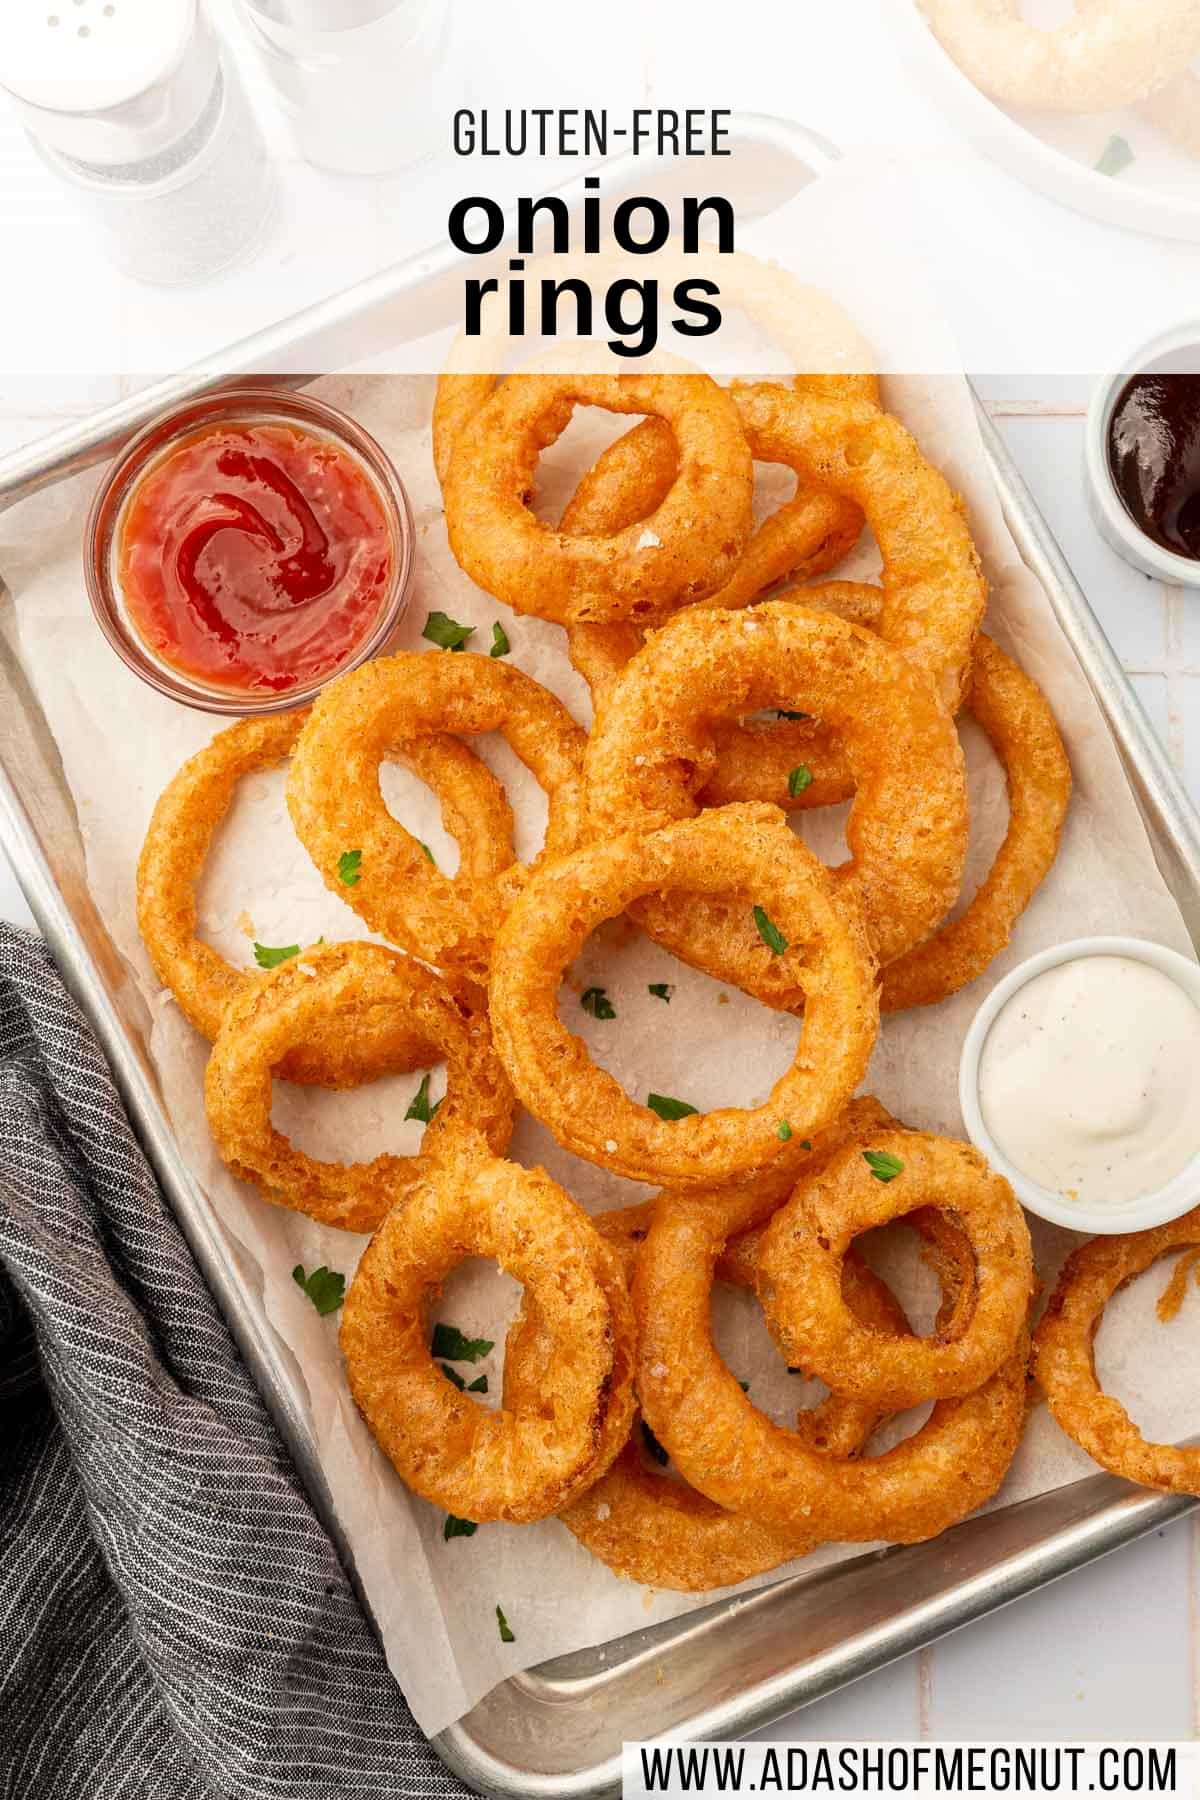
1057,153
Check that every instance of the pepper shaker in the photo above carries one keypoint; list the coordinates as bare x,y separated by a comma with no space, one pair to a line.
133,104
363,83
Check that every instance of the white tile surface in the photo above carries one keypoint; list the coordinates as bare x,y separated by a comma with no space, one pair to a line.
1111,1652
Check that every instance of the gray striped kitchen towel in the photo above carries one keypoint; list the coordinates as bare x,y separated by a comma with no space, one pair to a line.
174,1623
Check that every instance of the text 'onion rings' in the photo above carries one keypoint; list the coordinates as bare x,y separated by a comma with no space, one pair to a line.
356,984
737,852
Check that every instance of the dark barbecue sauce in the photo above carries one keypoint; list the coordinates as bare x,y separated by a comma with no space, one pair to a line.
1154,455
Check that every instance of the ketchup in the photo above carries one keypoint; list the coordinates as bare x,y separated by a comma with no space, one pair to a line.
254,557
1154,454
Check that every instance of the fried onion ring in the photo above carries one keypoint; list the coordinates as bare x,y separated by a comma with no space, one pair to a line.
346,984
335,803
688,546
523,1462
1064,1362
738,853
651,1529
800,1271
1113,54
184,823
723,1446
652,750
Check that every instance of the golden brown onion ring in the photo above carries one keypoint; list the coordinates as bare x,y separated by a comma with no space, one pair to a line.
731,1452
801,1257
1064,1361
184,823
687,547
335,801
335,986
652,750
526,1461
746,855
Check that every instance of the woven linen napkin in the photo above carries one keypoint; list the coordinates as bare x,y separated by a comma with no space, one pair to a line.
174,1622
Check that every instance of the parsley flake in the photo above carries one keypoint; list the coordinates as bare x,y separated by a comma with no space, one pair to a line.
458,1527
500,643
595,1001
453,1376
770,933
507,1636
446,632
1116,158
448,1341
801,777
669,1109
882,1164
783,1131
350,868
791,715
428,852
661,990
266,958
324,1287
419,1107
478,1386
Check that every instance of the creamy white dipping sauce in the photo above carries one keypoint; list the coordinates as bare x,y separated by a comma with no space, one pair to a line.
1089,1079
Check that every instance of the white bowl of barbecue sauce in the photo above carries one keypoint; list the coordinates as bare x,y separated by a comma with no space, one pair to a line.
1080,1084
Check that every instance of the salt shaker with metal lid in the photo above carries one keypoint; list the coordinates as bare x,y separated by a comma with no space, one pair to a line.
133,103
363,83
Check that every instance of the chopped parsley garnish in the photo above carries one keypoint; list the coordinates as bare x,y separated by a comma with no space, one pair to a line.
506,1634
806,1143
478,1386
449,1342
1116,158
661,990
446,632
453,1375
745,1386
783,1131
882,1164
791,715
500,643
428,851
350,868
596,1002
801,777
653,1447
770,933
419,1107
458,1527
266,958
666,1108
324,1287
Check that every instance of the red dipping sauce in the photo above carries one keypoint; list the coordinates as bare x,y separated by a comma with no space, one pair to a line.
254,556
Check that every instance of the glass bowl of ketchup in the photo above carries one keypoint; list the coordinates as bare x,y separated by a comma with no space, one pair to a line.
248,547
1142,458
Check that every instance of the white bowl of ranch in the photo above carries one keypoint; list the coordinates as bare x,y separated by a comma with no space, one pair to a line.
1080,1084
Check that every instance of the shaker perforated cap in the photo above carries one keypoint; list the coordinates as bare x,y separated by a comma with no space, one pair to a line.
89,56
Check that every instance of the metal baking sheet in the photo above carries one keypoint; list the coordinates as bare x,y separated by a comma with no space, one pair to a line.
555,1733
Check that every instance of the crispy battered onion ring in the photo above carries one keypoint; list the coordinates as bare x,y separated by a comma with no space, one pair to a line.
521,1463
731,1452
1114,54
801,1259
352,983
740,853
648,1528
335,801
1175,109
652,750
182,828
1064,1358
687,547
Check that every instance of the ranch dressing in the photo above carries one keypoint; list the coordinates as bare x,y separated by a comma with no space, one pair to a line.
1089,1079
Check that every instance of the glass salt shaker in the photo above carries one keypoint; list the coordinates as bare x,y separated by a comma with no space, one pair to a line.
363,83
133,103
